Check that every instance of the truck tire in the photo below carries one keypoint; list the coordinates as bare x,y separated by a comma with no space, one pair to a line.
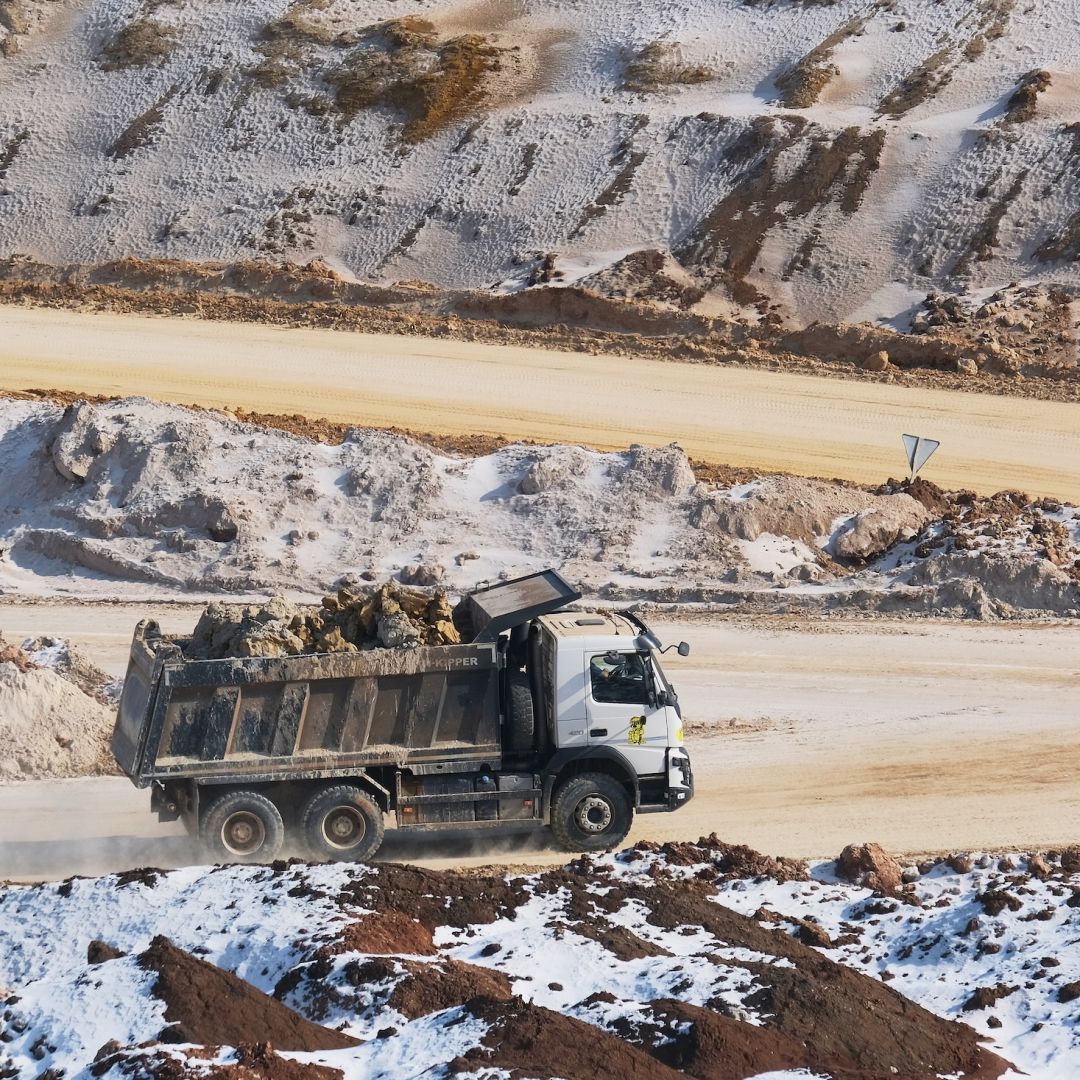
520,714
591,812
342,822
243,827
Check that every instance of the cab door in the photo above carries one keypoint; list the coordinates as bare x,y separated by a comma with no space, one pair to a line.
622,709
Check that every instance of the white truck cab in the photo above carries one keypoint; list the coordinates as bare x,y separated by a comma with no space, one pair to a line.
612,708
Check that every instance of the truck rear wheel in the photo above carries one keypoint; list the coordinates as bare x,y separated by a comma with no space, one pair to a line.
591,812
343,822
243,826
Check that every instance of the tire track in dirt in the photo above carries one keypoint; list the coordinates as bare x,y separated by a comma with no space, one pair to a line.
738,416
805,736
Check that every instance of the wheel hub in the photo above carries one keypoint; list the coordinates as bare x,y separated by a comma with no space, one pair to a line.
593,814
243,833
344,827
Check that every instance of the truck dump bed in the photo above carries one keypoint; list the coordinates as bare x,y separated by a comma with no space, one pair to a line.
289,717
258,717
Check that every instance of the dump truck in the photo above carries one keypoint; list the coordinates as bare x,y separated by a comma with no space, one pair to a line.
549,716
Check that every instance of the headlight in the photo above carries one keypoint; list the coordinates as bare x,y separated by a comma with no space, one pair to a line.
678,769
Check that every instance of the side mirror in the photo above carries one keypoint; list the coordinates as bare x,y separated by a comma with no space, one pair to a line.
662,699
683,648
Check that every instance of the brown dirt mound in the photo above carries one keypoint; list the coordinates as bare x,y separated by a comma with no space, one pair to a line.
430,988
528,1040
622,943
253,1062
413,987
705,1044
207,1005
922,491
732,860
386,932
839,1014
435,898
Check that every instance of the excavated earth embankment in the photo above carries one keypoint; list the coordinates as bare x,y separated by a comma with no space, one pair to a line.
126,496
842,162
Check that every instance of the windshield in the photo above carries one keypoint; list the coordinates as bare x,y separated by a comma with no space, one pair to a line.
662,681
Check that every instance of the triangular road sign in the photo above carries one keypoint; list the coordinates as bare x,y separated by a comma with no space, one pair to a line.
919,452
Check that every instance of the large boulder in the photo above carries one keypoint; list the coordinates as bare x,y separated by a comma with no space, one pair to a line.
871,866
555,468
661,471
78,441
422,574
876,529
809,510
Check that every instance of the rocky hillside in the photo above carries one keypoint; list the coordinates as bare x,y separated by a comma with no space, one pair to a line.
789,159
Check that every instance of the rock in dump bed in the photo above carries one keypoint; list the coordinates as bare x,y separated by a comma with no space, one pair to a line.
390,617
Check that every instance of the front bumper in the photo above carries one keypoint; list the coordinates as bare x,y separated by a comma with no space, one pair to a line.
679,788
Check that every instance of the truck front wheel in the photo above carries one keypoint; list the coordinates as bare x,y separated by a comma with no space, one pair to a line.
243,826
343,822
591,812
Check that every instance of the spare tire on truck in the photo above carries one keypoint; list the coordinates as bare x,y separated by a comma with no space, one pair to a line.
342,822
242,826
520,713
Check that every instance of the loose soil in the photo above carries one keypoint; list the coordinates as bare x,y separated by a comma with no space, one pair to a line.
204,1004
388,932
430,988
736,993
819,1014
530,1040
252,1062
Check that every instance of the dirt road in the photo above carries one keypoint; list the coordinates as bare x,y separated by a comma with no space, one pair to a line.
804,737
770,420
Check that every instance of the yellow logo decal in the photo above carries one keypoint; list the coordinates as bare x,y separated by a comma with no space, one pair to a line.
637,730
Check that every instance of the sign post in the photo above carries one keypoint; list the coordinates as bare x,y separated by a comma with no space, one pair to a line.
919,452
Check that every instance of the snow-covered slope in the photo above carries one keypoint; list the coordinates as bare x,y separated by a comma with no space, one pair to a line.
705,958
836,158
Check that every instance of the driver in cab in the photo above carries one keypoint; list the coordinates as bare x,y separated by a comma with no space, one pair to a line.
618,677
